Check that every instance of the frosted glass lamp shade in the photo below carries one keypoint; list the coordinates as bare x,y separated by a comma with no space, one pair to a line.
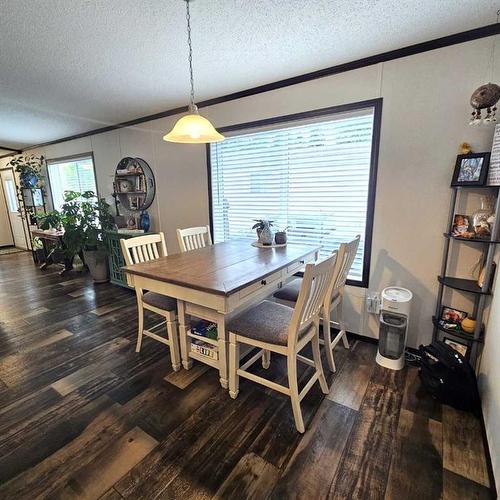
193,129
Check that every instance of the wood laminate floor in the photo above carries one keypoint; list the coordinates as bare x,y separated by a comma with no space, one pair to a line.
83,416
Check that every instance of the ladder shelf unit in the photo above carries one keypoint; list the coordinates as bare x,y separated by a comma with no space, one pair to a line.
474,340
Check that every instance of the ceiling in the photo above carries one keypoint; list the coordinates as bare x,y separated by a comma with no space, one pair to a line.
69,66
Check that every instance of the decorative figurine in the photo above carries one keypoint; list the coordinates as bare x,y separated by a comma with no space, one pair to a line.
484,97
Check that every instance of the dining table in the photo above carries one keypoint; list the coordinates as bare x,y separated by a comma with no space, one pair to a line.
213,284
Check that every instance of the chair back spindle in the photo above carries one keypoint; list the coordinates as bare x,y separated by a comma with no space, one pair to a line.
317,278
346,255
193,238
143,248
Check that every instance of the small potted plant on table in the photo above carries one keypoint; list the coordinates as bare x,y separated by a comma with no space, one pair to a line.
280,237
264,232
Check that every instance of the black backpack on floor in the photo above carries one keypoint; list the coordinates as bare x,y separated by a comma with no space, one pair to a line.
448,376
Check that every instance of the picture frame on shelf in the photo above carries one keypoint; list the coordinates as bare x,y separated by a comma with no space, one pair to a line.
452,316
471,169
460,347
461,224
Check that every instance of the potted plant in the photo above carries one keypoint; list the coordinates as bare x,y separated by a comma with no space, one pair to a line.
29,168
280,236
95,219
38,250
84,220
260,225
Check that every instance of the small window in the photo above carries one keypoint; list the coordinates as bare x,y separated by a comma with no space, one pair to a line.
10,192
70,175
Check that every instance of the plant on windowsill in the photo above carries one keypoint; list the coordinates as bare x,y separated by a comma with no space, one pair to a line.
29,168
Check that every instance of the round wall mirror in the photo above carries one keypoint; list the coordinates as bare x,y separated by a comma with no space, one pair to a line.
134,185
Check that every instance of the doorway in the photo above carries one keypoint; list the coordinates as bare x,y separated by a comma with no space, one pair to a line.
11,204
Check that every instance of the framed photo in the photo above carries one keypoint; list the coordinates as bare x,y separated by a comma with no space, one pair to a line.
471,169
458,346
461,224
454,316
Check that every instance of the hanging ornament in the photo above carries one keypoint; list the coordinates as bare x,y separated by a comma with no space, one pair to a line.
484,98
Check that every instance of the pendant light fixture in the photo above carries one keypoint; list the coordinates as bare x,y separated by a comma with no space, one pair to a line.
192,128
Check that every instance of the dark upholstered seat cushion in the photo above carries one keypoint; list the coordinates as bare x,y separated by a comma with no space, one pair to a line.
267,321
291,291
160,301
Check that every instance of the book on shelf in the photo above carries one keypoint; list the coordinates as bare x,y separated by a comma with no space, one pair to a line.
204,349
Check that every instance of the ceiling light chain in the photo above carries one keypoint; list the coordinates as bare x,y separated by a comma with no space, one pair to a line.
190,56
192,128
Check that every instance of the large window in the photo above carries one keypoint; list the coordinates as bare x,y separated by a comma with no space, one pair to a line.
70,174
314,173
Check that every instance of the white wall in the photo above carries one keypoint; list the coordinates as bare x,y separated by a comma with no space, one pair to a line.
489,383
5,230
424,119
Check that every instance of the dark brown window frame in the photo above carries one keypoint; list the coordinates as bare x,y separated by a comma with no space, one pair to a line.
376,104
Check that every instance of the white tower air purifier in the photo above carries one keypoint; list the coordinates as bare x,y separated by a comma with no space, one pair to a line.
394,316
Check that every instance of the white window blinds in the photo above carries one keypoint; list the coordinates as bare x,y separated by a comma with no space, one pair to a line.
70,175
313,178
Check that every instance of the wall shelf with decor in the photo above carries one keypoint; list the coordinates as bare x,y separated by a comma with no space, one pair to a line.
134,189
482,227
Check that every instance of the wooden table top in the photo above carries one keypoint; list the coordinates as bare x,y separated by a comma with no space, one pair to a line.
40,233
223,268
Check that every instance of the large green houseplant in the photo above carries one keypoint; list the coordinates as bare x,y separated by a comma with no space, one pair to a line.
84,218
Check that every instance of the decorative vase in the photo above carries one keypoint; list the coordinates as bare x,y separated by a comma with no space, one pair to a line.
480,218
266,235
29,181
145,221
280,237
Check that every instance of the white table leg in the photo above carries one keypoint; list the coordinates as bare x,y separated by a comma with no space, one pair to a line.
223,349
184,326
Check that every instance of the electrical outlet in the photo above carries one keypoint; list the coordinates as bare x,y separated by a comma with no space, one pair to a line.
373,303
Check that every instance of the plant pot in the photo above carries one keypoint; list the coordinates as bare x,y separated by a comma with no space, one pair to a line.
29,180
280,237
97,262
266,236
39,255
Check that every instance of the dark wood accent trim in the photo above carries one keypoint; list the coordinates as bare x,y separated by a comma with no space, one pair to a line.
61,159
7,155
15,151
372,190
209,181
376,104
438,43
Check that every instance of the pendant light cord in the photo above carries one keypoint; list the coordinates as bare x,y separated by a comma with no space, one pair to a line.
190,57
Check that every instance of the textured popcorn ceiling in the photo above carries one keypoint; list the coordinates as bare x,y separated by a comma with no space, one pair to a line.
69,66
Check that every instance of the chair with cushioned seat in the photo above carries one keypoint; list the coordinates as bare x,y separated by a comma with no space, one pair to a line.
277,328
142,249
289,294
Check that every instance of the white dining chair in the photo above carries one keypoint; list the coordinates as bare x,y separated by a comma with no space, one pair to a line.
142,249
192,238
277,328
334,299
